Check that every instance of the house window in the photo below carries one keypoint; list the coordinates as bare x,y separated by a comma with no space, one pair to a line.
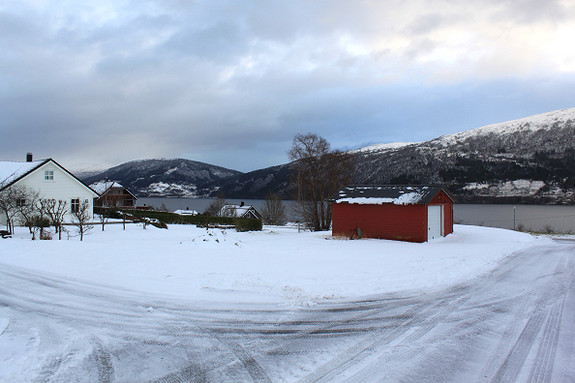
49,175
20,202
75,205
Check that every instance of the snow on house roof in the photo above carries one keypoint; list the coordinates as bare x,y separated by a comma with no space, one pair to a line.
237,211
102,186
388,194
10,171
13,171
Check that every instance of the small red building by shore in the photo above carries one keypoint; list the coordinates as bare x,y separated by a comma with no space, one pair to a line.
398,212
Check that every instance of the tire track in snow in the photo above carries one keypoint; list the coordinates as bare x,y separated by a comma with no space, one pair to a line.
422,324
551,294
250,341
543,368
192,373
195,369
251,365
366,347
478,313
511,366
103,362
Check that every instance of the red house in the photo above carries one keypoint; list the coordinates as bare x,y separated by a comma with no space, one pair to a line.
405,213
112,194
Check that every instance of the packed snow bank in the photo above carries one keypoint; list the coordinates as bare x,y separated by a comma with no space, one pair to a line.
275,265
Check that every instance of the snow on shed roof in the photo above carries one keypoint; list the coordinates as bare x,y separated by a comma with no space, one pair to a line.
392,194
11,171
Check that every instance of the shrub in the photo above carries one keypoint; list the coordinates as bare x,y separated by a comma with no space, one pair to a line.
37,224
45,236
248,224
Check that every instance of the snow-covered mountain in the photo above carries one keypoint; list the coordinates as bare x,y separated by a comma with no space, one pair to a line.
527,160
165,177
530,160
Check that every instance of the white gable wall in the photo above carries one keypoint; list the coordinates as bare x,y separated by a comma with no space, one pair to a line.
62,187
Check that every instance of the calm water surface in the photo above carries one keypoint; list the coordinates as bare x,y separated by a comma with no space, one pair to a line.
541,218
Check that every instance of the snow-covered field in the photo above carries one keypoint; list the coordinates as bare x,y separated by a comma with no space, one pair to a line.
277,265
187,305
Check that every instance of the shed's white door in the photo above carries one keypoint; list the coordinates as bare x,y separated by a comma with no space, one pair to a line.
434,221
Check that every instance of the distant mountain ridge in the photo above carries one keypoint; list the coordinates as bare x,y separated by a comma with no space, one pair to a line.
479,165
529,160
165,177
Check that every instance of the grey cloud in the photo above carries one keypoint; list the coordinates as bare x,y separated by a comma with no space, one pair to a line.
420,47
220,43
425,24
530,11
223,82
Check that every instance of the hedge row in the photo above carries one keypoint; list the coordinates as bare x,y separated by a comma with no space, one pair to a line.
248,224
241,224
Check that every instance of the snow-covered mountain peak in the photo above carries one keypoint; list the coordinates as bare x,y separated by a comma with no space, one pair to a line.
382,147
527,124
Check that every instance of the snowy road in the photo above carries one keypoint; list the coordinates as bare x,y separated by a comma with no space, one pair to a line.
516,324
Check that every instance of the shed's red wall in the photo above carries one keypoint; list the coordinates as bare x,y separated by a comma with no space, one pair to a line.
387,221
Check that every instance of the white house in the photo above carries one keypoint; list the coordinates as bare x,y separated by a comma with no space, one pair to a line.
50,179
240,211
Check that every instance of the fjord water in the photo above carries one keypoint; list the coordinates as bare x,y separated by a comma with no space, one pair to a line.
538,218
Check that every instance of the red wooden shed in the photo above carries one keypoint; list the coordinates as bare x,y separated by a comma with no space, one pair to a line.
399,212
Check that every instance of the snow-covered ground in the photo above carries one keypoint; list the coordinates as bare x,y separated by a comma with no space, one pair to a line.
186,304
275,265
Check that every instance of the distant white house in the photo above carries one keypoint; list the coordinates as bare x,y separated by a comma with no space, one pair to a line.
240,211
50,179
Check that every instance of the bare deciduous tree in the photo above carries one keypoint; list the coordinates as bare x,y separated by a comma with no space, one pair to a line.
81,218
17,201
215,207
55,211
319,173
28,208
273,212
8,201
110,203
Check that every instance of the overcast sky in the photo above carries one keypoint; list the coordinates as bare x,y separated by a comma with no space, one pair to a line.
97,83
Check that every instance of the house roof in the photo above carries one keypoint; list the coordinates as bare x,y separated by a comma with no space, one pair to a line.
103,186
13,171
390,194
238,211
